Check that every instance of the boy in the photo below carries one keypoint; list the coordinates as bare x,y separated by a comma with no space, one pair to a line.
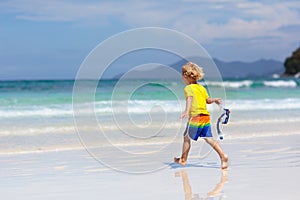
198,116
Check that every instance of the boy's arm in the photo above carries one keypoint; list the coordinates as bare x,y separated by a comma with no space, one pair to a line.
188,106
214,100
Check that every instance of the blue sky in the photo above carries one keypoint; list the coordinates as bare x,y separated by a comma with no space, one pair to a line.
42,39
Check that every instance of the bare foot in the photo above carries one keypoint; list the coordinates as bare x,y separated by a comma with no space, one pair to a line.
179,161
224,162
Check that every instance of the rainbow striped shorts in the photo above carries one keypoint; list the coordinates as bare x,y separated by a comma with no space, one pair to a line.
198,126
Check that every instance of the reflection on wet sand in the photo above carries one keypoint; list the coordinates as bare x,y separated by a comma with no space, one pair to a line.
216,191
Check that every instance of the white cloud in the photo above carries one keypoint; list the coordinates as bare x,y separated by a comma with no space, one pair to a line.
207,20
57,10
248,20
211,1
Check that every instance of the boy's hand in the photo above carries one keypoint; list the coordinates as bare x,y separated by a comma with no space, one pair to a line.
184,115
218,101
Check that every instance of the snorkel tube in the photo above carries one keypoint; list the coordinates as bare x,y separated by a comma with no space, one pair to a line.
226,113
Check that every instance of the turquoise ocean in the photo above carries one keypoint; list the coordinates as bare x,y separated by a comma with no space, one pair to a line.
38,115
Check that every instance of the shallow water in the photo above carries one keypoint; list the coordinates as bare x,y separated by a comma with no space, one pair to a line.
38,115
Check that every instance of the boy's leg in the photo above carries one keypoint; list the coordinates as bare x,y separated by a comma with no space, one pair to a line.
186,147
185,150
216,146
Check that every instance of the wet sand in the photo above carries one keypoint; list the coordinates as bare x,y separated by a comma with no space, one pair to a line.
259,168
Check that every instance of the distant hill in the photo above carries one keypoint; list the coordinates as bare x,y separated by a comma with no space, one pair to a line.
239,69
292,64
259,68
235,69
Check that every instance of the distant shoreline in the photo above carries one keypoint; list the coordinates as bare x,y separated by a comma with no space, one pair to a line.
280,76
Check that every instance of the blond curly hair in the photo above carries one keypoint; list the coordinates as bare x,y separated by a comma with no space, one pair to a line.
192,71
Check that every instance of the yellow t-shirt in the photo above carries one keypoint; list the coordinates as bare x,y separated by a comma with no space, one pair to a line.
199,94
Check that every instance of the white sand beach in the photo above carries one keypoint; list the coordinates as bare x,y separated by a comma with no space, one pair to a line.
41,156
260,168
94,99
